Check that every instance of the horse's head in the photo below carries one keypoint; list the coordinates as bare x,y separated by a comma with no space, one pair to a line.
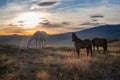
73,36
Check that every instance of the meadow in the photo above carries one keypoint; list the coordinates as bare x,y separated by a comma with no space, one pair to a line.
57,63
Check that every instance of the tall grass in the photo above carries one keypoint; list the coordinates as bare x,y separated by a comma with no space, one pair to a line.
59,63
82,64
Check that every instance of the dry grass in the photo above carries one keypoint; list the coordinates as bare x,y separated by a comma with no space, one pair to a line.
82,64
57,63
42,75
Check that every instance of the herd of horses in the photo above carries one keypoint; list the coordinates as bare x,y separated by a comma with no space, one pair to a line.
88,44
40,38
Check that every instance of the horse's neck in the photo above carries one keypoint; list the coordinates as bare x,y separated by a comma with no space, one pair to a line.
77,39
30,40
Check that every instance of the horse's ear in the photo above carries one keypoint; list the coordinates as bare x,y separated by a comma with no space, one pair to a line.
73,33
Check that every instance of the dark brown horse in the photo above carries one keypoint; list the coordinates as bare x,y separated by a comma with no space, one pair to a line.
100,42
80,44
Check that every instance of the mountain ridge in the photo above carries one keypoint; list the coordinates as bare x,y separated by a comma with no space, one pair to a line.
104,31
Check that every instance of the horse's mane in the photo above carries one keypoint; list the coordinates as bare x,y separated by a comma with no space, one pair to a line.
77,37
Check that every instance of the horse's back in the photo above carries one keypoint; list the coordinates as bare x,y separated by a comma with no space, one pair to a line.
41,35
84,43
99,41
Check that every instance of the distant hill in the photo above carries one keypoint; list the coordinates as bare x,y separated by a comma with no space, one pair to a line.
13,39
104,31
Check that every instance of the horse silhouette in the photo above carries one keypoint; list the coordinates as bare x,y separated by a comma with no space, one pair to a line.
39,37
99,42
80,44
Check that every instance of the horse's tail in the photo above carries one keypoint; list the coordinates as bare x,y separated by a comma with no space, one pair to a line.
29,42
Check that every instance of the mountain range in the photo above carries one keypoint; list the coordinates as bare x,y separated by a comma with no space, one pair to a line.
103,31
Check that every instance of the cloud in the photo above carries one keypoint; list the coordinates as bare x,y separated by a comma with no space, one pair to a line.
52,25
12,25
86,23
48,3
10,11
44,4
20,21
48,24
97,16
16,25
65,23
56,25
94,19
13,29
92,23
61,11
45,22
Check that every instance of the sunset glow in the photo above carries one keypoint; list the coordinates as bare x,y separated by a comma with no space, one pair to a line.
56,16
29,19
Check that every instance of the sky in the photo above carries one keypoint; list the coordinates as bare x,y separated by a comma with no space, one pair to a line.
24,17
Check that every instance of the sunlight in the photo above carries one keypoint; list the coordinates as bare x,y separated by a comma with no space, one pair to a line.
29,19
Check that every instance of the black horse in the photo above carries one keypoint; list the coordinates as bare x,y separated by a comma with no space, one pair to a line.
100,42
79,44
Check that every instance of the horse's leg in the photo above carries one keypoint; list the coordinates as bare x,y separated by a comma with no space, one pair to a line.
87,51
105,49
45,42
90,49
98,49
39,43
93,48
78,51
29,43
36,43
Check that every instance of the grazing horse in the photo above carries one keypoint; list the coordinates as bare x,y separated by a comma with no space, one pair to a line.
39,37
79,44
100,42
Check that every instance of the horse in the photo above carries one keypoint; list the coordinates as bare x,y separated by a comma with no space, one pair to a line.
80,44
39,37
100,42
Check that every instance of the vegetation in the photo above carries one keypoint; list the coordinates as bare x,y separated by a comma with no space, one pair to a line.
114,40
57,63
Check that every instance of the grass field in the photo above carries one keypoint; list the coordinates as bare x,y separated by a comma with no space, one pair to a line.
57,63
